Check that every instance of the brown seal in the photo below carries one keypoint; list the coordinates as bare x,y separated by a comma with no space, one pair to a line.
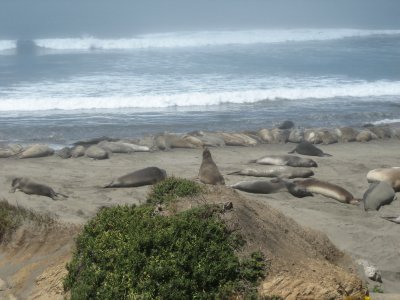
209,173
30,187
146,176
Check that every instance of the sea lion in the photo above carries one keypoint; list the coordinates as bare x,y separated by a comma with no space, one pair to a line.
377,195
326,189
35,151
306,148
276,171
260,186
64,153
286,125
390,175
33,188
285,160
96,152
209,173
146,176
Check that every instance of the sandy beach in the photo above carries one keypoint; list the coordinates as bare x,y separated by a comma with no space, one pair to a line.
362,235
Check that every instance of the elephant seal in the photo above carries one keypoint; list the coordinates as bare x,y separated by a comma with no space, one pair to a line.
96,152
35,151
94,141
326,189
78,151
286,125
64,153
392,219
146,176
33,188
346,134
377,195
306,148
285,160
390,175
260,186
122,147
276,171
209,173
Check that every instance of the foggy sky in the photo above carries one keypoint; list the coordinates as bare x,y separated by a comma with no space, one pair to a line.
121,18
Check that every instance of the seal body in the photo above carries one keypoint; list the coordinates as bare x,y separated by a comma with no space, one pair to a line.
390,175
146,176
209,173
276,171
36,151
260,186
96,152
326,189
306,148
286,160
33,188
377,195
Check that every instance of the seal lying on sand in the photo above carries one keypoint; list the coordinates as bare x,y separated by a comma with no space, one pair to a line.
33,188
390,175
146,176
377,195
260,186
326,189
285,160
306,148
392,219
276,171
209,173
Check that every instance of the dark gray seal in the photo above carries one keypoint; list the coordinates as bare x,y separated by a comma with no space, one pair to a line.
260,186
146,176
378,194
209,173
33,188
286,125
306,148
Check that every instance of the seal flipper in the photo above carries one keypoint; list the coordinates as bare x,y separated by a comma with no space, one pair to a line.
326,154
392,219
293,151
233,173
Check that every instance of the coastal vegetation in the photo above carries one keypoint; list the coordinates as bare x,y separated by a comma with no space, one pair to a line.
132,252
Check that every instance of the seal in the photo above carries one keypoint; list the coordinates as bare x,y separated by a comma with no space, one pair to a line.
260,186
392,219
326,189
285,160
37,150
306,148
30,187
276,171
209,173
390,175
378,194
146,176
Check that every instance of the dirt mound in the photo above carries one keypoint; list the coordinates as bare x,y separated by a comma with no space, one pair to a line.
304,264
33,261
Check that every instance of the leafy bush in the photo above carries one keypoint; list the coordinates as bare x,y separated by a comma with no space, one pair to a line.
172,188
128,252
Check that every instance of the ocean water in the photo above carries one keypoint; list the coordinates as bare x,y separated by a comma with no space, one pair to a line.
62,89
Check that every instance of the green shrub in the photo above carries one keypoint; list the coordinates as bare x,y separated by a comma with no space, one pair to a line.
172,188
128,252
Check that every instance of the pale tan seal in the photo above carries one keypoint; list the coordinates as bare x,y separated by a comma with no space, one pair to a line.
285,160
276,171
390,175
35,151
209,173
30,187
326,189
97,153
146,176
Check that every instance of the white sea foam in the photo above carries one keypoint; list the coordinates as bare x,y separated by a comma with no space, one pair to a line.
386,121
42,100
7,44
207,38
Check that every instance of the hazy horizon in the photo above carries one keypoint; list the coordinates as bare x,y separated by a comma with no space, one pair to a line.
21,19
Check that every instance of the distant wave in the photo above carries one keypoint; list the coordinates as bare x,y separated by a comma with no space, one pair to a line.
7,44
201,39
386,121
43,101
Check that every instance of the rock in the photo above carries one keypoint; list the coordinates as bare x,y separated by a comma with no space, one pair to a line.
35,151
96,152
